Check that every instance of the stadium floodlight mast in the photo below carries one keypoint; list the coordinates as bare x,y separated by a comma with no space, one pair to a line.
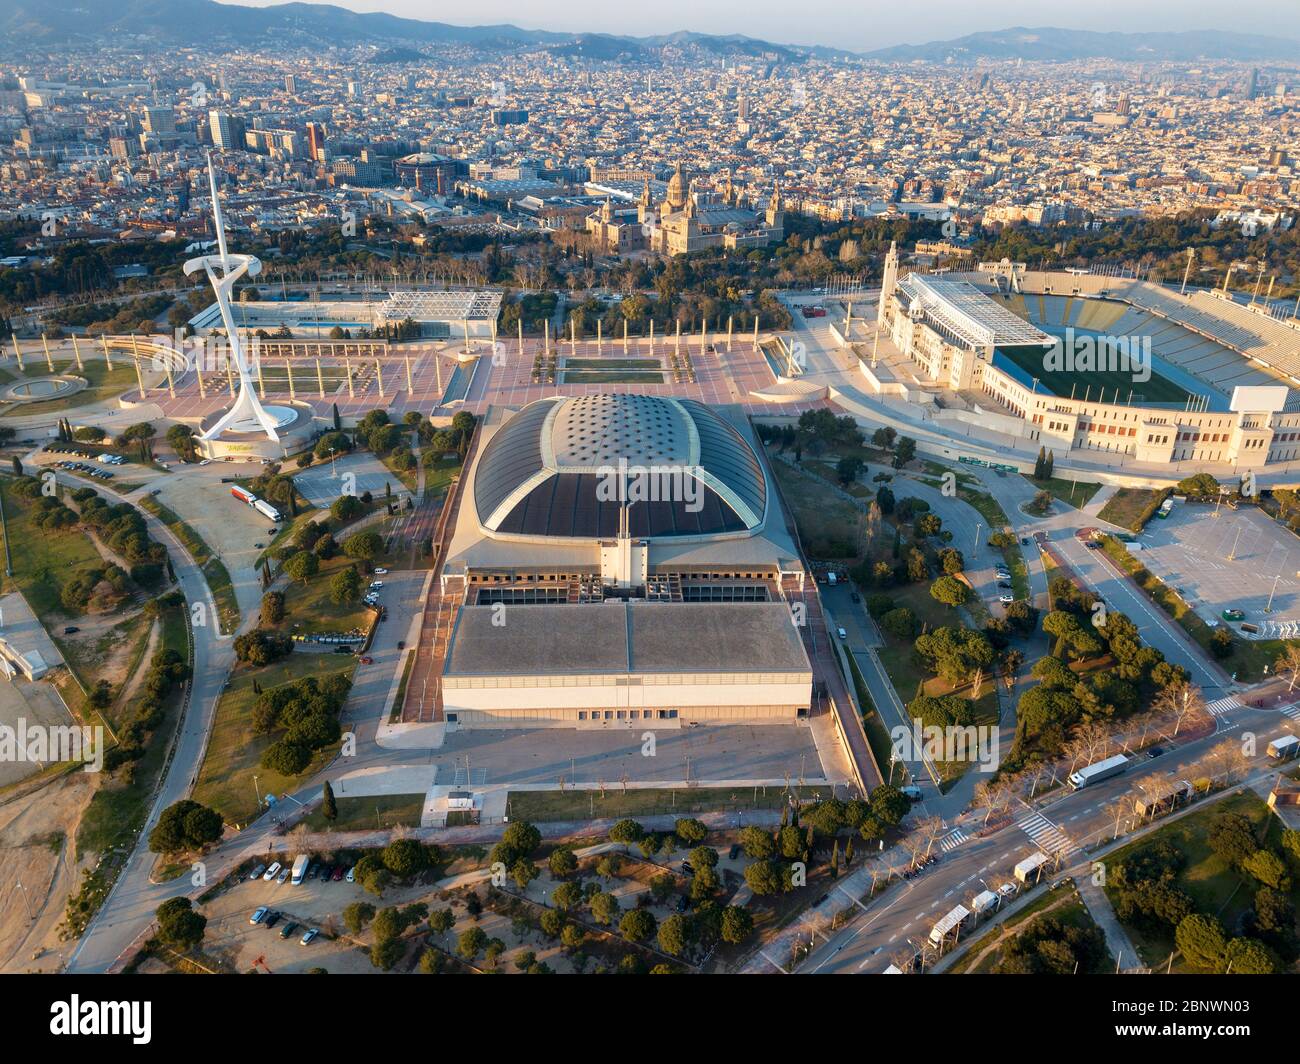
247,409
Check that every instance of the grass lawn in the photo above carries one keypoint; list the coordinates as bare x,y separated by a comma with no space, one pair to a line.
612,376
1067,491
234,749
310,611
43,562
371,813
118,808
539,806
1216,888
1093,382
1132,507
612,363
828,526
877,731
102,383
214,570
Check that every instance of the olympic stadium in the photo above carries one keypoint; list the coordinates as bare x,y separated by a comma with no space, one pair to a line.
1161,376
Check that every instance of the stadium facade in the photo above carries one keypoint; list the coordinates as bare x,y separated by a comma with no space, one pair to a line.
620,560
1002,336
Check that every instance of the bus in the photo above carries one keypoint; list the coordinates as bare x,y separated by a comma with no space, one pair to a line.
1102,770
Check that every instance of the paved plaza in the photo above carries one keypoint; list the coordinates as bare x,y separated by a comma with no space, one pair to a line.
1232,561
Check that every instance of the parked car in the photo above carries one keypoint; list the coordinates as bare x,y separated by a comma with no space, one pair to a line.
284,874
1154,751
326,872
1007,889
375,585
288,929
338,874
734,852
381,572
683,903
366,659
313,870
309,936
71,629
401,644
841,633
258,915
1006,600
257,872
687,868
272,919
351,877
1003,583
272,872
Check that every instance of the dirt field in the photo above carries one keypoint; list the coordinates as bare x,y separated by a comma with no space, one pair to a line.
35,849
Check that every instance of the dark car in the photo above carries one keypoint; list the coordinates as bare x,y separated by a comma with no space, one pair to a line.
338,873
401,644
325,873
734,852
683,903
272,918
72,629
1153,752
1003,583
686,867
856,597
1024,539
288,929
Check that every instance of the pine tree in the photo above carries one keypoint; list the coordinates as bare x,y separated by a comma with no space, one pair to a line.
1050,465
1038,463
328,807
18,466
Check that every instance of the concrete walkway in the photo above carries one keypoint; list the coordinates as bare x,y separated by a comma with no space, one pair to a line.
1117,941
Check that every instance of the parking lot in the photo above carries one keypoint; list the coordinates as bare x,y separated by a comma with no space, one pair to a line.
324,483
1232,561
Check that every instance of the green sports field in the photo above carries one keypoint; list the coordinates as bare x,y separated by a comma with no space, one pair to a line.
1113,385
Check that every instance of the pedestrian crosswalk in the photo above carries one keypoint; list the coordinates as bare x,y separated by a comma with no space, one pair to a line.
1221,707
952,840
1292,711
1045,835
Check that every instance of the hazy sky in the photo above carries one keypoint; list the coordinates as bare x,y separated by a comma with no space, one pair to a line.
858,26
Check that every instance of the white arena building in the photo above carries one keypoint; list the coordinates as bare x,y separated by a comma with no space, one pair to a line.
581,599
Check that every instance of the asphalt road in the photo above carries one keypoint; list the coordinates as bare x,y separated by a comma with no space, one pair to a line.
905,913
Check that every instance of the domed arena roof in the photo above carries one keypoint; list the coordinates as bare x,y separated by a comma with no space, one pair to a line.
564,467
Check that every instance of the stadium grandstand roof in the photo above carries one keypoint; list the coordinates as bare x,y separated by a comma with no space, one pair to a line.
454,305
968,314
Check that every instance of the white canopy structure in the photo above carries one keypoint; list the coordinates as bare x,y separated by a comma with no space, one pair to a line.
246,414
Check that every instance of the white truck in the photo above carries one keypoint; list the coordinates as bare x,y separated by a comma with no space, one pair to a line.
300,865
1101,770
1284,747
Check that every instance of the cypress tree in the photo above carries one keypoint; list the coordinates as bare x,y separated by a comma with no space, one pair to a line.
329,808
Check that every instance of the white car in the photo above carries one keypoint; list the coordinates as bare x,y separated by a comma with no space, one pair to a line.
351,877
381,572
375,585
271,872
206,461
1002,574
1006,600
1007,889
